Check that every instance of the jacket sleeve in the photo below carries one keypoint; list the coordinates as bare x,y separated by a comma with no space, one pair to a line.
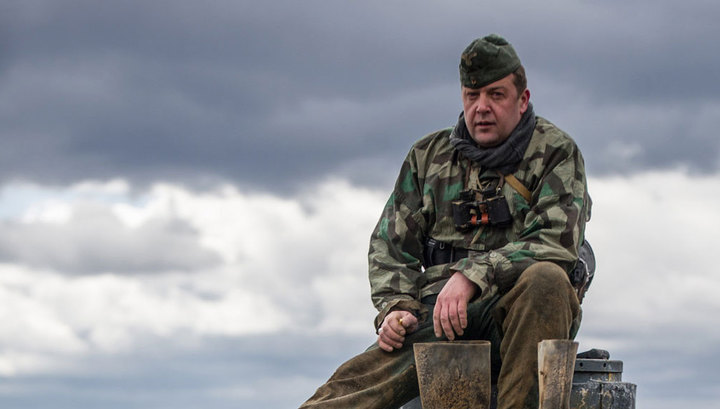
396,247
552,229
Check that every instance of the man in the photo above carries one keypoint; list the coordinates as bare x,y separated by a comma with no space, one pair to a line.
476,241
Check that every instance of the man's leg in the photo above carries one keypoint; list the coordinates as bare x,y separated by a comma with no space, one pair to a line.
541,305
374,379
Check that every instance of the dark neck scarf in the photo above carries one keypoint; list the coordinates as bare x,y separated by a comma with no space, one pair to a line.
504,157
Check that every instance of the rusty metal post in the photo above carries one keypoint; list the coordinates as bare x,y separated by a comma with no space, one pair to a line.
454,374
556,361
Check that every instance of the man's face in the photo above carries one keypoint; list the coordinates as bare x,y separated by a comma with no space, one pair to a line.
493,111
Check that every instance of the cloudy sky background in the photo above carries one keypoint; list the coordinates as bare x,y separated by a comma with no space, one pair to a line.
187,188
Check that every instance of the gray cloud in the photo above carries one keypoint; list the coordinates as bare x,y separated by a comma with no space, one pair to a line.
273,95
268,371
95,241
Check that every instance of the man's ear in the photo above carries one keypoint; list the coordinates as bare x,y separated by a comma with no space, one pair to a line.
524,100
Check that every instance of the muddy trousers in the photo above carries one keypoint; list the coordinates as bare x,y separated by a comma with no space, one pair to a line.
541,305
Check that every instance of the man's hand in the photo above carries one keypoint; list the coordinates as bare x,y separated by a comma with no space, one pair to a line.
396,325
450,314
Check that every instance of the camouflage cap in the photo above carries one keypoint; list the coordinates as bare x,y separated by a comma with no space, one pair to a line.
487,60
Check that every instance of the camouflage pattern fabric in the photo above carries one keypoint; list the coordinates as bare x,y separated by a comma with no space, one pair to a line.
548,228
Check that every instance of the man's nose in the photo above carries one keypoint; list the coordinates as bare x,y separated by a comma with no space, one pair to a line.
481,105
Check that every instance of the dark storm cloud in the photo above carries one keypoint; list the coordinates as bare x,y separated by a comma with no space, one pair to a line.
272,94
95,241
637,50
268,371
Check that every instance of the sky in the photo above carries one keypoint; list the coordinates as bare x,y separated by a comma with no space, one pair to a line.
187,189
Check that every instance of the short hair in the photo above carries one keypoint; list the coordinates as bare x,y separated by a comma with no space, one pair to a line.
520,80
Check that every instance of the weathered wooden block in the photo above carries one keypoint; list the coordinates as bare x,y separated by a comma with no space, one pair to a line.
556,361
454,375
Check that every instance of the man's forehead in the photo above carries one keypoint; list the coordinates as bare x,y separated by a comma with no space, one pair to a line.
492,87
503,83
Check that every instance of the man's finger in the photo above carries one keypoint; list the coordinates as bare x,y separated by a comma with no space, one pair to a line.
436,320
410,323
396,325
462,313
392,339
390,335
384,346
446,324
455,318
392,344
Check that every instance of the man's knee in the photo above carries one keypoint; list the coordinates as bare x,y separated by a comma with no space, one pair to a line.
544,279
542,302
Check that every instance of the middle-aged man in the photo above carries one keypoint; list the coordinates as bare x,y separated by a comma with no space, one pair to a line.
477,241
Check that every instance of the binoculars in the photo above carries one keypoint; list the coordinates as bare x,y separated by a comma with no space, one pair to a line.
469,213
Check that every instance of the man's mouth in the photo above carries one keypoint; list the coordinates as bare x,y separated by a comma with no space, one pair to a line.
484,123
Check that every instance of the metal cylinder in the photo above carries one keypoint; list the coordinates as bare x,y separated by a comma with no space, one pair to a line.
597,384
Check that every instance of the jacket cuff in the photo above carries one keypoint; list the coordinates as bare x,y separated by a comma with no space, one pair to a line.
415,307
477,272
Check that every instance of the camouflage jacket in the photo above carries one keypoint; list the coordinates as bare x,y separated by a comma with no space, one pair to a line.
550,227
